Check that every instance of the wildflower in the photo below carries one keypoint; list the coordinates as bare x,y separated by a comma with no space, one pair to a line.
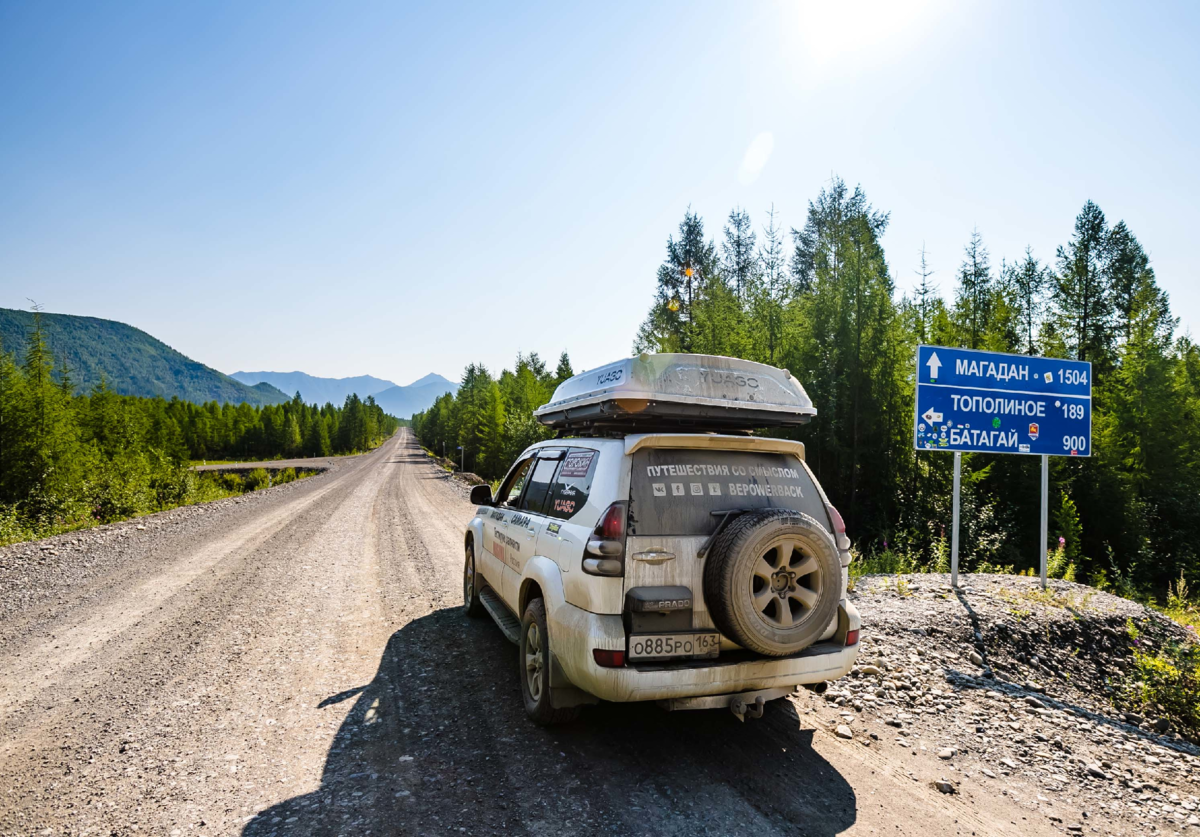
1062,541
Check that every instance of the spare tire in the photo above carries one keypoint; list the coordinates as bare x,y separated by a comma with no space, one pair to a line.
772,581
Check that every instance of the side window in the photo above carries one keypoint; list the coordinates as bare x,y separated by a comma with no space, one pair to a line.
573,483
510,491
539,484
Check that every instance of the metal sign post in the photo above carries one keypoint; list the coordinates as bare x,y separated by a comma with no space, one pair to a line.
991,402
1044,529
954,532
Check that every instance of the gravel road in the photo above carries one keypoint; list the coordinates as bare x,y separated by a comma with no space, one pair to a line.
295,662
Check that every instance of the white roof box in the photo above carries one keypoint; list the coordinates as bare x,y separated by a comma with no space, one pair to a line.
675,390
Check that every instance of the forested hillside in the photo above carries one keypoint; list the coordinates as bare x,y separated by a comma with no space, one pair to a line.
820,300
492,418
128,360
69,460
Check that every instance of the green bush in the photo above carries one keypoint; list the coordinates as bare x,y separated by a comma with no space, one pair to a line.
14,527
258,478
1164,680
887,562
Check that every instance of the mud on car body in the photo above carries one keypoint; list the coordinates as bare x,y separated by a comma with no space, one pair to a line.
657,551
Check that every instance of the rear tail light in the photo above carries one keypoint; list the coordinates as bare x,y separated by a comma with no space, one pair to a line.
839,528
608,659
605,553
852,637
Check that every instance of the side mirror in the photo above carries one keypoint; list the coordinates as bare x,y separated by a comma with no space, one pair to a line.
481,495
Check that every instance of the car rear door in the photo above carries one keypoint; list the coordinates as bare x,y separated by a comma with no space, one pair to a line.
678,498
562,540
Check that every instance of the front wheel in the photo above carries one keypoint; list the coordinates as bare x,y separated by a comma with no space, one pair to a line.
471,603
534,661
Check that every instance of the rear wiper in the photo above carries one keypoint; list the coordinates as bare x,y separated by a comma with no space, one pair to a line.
725,515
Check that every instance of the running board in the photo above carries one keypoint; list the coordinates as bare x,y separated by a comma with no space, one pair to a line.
503,617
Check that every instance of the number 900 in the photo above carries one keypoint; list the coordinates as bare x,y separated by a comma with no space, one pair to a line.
1074,443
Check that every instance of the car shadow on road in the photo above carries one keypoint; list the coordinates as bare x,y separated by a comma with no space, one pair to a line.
438,742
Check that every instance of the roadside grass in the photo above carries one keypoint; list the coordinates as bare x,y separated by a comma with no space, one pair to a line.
195,488
1182,604
1164,680
194,463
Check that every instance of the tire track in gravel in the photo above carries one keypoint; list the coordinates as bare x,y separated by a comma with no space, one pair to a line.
41,665
198,662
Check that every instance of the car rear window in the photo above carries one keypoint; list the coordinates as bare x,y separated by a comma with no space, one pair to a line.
539,486
675,492
573,483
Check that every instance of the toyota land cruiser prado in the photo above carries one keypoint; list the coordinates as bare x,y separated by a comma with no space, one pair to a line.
656,550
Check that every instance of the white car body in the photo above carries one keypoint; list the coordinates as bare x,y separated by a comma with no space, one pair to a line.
520,555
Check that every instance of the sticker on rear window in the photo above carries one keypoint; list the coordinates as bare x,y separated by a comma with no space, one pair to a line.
576,463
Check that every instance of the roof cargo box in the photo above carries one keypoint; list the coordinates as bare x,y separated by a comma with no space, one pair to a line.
679,390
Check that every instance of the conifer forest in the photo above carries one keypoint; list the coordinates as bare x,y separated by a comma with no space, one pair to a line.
821,300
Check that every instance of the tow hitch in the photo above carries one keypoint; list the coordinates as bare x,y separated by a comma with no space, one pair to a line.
744,705
741,711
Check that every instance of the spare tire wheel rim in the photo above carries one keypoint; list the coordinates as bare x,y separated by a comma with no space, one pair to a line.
785,583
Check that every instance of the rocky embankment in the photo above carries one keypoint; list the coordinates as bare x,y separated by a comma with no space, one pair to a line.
1005,689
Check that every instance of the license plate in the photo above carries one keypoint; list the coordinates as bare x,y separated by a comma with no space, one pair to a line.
660,646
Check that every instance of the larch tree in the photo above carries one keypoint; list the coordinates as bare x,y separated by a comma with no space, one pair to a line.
1082,295
975,296
738,257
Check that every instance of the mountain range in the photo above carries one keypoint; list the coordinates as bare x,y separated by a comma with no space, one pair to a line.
129,360
316,390
402,402
399,401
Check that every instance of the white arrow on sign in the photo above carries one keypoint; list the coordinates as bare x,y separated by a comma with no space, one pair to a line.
934,365
931,417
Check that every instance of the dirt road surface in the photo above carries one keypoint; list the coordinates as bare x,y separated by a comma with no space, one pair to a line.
296,662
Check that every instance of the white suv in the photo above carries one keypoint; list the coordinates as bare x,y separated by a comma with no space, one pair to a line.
657,551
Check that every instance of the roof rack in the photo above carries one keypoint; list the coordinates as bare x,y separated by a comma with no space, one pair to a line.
680,392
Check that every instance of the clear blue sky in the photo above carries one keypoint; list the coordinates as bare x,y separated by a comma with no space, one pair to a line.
376,188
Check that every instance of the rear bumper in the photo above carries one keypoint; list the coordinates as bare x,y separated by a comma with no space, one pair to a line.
575,632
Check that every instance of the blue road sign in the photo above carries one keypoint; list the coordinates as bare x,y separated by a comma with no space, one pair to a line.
992,402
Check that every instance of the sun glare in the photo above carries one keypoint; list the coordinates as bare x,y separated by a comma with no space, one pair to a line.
837,38
756,157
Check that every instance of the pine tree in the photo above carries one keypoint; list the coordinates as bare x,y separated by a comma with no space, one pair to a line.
738,257
1026,283
563,370
1082,292
489,434
848,353
770,289
1137,301
975,297
291,436
923,299
690,261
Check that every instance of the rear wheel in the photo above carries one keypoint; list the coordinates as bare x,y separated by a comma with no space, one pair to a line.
471,603
534,660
